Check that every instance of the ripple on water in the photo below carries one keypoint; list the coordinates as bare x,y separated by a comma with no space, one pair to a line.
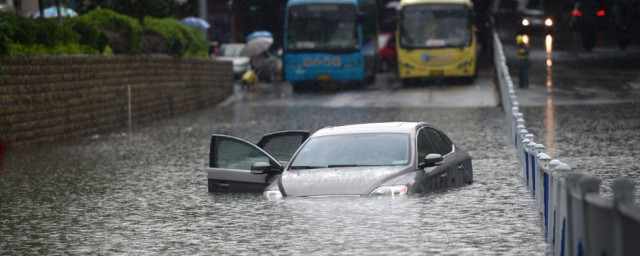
146,193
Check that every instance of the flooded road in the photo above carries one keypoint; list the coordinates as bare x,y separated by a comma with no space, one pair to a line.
145,193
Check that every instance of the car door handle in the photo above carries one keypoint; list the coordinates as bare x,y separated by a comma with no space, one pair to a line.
221,184
443,175
461,167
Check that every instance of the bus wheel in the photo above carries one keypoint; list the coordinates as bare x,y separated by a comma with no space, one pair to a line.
370,80
468,80
301,87
407,82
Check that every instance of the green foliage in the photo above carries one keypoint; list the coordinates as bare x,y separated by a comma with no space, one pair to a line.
100,31
34,36
49,33
179,39
107,50
143,8
90,34
170,31
124,32
58,49
28,49
198,45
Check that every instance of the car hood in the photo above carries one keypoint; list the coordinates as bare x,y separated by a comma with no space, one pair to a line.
235,60
337,181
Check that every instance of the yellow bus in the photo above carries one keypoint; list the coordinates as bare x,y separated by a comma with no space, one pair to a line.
436,38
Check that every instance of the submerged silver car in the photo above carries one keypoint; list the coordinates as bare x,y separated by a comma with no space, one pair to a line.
395,158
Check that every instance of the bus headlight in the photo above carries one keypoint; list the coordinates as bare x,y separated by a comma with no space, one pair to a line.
525,22
397,190
548,22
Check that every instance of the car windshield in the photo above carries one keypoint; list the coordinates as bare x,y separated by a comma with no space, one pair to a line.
380,149
322,27
435,25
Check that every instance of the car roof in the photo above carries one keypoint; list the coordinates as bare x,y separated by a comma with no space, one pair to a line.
407,2
533,12
388,127
233,45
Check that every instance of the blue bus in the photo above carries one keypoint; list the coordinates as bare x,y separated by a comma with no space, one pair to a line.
332,41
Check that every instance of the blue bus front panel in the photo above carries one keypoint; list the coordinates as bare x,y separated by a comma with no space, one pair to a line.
313,67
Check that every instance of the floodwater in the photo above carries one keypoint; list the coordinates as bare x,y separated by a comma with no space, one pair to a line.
146,193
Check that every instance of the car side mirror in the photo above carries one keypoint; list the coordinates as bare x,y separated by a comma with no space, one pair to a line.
432,160
260,168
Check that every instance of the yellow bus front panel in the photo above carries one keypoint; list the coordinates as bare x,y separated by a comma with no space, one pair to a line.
446,62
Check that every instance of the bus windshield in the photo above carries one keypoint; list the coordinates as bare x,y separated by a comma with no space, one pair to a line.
322,27
435,26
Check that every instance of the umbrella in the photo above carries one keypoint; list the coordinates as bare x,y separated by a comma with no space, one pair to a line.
257,34
195,22
393,5
257,42
51,12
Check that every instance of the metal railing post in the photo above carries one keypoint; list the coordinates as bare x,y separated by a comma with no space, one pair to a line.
625,237
566,183
543,165
584,185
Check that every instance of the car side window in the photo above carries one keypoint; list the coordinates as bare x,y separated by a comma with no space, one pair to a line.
282,145
424,145
238,155
446,144
431,141
283,148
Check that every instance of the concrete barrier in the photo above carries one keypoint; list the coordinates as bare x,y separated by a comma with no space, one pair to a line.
50,99
574,217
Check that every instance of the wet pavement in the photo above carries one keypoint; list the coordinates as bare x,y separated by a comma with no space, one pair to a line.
584,106
146,192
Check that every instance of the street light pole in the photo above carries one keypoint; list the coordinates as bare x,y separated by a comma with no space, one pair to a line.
202,4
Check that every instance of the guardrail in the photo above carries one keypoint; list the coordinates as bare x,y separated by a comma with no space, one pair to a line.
576,219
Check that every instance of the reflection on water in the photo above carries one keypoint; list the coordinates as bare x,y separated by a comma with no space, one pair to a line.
549,120
549,126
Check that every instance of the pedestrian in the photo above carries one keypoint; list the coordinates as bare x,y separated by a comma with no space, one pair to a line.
214,49
523,60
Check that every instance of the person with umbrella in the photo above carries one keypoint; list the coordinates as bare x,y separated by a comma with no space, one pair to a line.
263,64
196,23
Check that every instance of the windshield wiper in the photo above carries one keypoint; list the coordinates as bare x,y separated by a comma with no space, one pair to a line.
352,165
299,167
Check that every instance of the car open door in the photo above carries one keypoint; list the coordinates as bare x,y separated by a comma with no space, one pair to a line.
282,145
231,158
230,161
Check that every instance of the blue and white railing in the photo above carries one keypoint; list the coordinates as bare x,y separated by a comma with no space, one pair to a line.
576,219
